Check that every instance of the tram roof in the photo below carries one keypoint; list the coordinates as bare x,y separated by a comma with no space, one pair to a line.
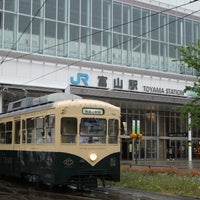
39,101
49,101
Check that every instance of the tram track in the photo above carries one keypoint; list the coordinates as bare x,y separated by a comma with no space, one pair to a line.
21,191
12,189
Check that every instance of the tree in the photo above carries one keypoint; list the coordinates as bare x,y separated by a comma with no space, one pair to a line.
190,57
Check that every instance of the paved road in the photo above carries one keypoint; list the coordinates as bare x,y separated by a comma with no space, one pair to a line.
180,164
135,194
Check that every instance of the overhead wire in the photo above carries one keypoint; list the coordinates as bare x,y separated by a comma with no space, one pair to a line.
96,32
86,58
28,25
75,62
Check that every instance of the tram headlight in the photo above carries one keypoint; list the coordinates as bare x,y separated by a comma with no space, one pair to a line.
93,157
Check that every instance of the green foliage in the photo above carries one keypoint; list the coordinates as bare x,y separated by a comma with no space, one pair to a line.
190,57
166,183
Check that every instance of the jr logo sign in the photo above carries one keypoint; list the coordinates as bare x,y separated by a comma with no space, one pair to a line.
81,77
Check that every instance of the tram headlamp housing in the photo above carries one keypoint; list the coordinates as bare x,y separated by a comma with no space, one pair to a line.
93,157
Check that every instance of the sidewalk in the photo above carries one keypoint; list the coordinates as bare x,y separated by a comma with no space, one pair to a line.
180,164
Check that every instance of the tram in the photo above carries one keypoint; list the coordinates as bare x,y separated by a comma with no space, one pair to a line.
61,139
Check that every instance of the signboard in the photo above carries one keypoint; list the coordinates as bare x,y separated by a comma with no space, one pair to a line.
93,111
127,82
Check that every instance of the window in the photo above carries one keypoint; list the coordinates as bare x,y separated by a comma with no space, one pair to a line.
8,132
40,135
180,31
50,9
24,132
24,42
2,133
68,130
74,11
36,8
1,4
172,29
136,22
145,23
61,39
117,18
84,12
25,6
96,13
163,31
74,41
10,5
188,32
107,17
92,130
113,128
30,130
40,130
62,10
85,41
126,19
37,33
17,132
9,30
50,37
96,45
154,26
50,128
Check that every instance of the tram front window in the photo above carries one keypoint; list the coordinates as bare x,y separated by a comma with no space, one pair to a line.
92,130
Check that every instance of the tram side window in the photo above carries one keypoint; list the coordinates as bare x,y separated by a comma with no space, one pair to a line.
24,131
30,130
50,128
113,128
68,130
17,132
40,135
2,133
8,132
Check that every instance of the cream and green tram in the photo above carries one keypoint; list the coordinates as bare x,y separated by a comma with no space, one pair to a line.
61,139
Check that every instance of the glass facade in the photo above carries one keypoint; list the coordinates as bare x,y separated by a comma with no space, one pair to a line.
161,130
98,30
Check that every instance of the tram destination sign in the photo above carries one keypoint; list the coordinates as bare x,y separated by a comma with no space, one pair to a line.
93,111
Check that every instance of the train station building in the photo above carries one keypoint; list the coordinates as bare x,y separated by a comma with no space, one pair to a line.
119,51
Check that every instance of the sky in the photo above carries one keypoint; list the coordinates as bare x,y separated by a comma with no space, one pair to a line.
192,6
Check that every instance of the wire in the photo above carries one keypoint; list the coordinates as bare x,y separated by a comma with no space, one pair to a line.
14,45
119,25
112,46
156,13
75,62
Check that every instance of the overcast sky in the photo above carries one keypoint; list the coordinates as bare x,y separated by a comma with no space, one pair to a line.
193,6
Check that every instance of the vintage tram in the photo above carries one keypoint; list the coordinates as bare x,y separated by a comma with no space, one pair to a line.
61,139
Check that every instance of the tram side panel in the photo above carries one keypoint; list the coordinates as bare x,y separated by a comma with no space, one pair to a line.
6,162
